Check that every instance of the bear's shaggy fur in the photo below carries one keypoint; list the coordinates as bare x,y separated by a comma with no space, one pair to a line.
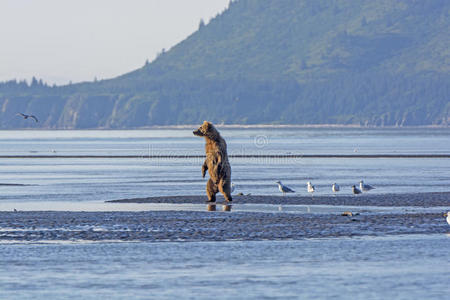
216,162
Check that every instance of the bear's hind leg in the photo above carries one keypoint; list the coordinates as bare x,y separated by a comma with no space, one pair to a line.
225,189
211,190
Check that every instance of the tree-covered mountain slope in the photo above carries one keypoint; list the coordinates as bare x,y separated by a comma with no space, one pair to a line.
368,62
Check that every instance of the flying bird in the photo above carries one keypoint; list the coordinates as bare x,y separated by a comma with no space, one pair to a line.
335,188
28,116
365,187
355,190
284,189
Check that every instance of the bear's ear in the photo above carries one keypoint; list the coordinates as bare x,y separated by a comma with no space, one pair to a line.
207,124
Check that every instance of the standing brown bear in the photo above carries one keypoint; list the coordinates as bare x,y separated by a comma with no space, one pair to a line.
216,162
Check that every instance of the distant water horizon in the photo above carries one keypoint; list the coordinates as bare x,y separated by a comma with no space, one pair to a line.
244,126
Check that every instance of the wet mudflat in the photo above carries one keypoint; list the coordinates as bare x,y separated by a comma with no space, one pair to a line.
419,214
413,199
207,226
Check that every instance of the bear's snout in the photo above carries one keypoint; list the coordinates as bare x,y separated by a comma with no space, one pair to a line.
197,132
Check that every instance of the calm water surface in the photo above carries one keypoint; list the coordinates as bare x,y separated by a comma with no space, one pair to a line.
99,179
405,267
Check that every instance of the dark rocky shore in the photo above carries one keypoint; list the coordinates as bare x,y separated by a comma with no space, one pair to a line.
158,226
421,199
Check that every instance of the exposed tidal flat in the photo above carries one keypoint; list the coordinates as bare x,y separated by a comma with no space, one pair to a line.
198,226
252,218
412,199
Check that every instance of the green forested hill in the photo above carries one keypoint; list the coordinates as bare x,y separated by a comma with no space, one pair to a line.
368,62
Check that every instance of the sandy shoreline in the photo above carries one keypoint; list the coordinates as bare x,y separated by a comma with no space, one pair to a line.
418,199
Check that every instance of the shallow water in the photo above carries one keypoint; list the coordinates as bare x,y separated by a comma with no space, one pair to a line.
96,206
99,179
400,267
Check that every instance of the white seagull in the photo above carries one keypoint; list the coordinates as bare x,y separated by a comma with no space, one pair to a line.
355,190
365,187
335,188
447,214
311,188
284,189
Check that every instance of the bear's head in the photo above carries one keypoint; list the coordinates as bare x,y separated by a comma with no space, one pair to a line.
208,130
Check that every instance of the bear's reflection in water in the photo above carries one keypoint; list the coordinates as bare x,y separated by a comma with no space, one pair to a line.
213,207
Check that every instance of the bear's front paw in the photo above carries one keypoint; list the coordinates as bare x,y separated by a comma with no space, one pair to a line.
204,168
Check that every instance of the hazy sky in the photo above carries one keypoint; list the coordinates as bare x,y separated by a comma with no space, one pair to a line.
77,40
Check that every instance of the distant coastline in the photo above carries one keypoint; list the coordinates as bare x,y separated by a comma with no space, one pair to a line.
291,126
242,126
